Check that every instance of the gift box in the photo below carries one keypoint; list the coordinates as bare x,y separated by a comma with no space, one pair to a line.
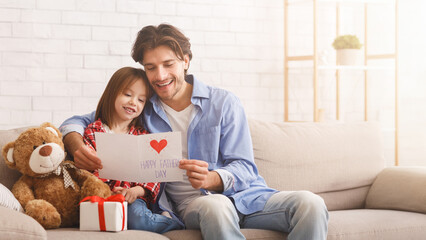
99,214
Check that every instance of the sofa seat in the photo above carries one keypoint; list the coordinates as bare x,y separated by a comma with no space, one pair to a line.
359,224
75,233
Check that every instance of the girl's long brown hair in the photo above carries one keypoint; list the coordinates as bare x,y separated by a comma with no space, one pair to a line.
120,80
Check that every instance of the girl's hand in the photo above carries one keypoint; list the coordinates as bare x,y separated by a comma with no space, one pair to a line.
130,194
84,156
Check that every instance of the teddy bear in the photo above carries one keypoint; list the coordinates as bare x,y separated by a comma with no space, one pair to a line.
50,188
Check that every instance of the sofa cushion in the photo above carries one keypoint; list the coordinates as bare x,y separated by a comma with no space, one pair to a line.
319,157
75,233
399,188
345,199
8,176
19,226
376,224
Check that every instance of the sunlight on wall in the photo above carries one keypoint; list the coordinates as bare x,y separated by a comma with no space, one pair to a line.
412,82
381,83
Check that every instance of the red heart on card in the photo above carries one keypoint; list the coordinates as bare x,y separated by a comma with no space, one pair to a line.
158,146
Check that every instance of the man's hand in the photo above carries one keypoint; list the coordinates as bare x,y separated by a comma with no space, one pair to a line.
84,156
130,194
200,177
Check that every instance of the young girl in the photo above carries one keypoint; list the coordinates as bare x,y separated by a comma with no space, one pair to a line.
119,111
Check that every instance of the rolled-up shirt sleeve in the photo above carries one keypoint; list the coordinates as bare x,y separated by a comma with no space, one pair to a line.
77,123
227,179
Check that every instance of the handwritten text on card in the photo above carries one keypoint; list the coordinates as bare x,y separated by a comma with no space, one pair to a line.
143,158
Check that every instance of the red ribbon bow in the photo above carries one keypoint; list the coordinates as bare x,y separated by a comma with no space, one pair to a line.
100,201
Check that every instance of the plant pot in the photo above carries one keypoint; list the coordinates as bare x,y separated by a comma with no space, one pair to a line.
349,57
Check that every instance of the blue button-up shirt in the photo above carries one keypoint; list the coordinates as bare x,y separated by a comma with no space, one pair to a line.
218,134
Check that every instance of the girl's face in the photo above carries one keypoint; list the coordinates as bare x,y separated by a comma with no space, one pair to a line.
130,103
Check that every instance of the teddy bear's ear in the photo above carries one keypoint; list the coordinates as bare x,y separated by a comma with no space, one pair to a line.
51,128
53,131
8,154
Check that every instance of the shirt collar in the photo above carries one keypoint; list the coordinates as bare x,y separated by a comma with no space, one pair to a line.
199,89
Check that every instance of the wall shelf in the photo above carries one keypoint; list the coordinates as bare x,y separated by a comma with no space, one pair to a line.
346,67
316,66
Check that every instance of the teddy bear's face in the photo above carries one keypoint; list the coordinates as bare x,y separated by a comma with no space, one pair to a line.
36,151
46,156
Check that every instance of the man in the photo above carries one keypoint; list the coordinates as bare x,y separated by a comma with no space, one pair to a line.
222,190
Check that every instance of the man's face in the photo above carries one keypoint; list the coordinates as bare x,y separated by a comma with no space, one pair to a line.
165,72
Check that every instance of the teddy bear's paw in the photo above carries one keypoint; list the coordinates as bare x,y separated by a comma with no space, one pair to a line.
44,213
93,186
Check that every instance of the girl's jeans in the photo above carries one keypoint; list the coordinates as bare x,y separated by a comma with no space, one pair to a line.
141,218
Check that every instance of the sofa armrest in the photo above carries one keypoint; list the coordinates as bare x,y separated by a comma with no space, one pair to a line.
399,188
17,225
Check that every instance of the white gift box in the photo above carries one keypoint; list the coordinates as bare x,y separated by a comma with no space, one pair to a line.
115,217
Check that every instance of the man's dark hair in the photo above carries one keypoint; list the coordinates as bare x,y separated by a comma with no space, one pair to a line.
151,37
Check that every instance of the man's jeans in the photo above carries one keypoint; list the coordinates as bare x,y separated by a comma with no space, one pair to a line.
302,214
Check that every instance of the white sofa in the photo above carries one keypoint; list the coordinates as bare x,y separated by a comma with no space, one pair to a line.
343,163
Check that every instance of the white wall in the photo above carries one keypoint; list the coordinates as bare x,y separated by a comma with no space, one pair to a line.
56,57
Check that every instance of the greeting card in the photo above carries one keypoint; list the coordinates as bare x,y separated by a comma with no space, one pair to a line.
143,158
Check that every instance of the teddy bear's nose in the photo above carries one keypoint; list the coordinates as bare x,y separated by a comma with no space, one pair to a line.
45,151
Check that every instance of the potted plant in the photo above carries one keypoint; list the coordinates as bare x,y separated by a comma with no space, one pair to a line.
348,50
